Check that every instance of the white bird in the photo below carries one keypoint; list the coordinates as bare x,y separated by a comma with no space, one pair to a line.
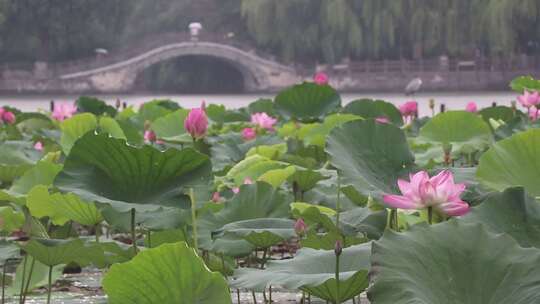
413,86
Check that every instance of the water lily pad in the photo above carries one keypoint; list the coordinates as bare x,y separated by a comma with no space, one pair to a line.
512,162
307,101
453,262
369,108
313,271
170,273
107,170
370,156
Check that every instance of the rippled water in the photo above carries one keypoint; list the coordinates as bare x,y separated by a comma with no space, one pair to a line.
453,101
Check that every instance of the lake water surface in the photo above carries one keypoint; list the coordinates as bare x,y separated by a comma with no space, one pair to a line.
453,101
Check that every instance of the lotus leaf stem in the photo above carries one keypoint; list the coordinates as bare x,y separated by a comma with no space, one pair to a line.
49,285
133,233
28,280
194,218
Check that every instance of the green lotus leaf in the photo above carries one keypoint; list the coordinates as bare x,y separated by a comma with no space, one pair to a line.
369,108
313,271
513,162
151,111
107,170
523,83
272,152
171,127
74,128
95,106
155,219
262,232
8,251
315,134
42,174
503,113
229,149
277,177
463,130
253,167
39,278
259,200
61,208
52,252
512,212
15,159
170,273
370,156
262,105
307,101
306,179
453,262
111,126
10,219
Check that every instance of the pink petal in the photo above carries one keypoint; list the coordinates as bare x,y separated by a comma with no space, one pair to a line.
400,202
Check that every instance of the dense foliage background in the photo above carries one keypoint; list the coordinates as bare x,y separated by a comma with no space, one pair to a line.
293,30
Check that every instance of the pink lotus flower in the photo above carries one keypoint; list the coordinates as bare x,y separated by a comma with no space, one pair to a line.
263,120
439,192
534,113
63,111
409,109
529,99
216,198
249,134
38,146
150,136
8,117
382,119
300,227
196,122
471,107
247,181
321,78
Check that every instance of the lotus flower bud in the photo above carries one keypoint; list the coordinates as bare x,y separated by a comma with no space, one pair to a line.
8,117
150,136
216,197
196,122
471,107
321,78
338,248
249,134
300,227
38,146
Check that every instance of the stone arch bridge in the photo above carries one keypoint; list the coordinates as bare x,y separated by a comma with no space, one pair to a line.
117,71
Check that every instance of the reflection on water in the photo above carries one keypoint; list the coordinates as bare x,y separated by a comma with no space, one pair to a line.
453,101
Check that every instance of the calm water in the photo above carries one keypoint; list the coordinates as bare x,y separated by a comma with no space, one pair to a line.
453,101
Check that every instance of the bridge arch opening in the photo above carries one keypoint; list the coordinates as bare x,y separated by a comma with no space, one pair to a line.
194,74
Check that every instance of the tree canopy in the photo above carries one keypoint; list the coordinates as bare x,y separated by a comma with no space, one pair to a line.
293,30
